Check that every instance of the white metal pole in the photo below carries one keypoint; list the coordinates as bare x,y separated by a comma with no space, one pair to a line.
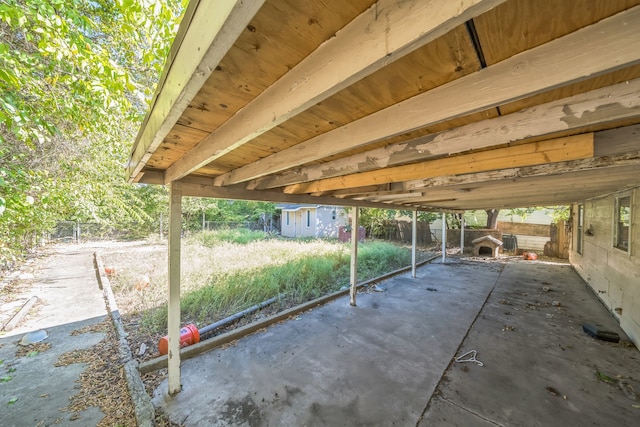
462,235
173,322
414,242
444,236
354,257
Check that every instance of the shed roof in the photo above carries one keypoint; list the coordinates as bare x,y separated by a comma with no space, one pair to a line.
431,105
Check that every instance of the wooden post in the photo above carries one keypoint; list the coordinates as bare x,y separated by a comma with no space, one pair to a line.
354,257
173,322
562,238
444,236
414,242
462,235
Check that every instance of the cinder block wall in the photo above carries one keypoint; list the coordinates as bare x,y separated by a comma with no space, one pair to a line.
613,274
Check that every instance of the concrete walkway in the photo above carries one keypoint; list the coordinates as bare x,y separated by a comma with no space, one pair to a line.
33,390
389,361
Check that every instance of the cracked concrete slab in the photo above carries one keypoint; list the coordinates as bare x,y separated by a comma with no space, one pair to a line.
390,360
338,365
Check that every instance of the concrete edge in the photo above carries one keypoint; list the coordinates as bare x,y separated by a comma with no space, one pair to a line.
217,341
21,314
143,408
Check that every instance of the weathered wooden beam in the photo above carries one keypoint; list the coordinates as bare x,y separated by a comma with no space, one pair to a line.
605,46
616,160
151,176
208,31
606,105
555,150
385,32
205,187
353,265
618,140
173,311
532,191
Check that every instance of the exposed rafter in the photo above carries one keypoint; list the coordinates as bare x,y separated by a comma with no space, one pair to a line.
577,112
603,47
557,150
218,25
382,34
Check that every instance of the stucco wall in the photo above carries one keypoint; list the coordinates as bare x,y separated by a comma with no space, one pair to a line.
613,274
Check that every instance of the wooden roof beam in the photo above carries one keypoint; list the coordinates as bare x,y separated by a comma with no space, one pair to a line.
558,116
385,32
605,162
208,31
535,153
204,187
605,46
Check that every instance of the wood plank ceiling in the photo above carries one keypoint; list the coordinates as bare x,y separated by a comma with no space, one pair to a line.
432,105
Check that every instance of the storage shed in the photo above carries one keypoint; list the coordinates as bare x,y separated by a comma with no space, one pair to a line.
311,220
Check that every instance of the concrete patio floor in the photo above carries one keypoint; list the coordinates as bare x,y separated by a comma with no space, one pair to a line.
390,360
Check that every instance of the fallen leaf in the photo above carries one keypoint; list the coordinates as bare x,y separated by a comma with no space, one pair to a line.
12,401
6,379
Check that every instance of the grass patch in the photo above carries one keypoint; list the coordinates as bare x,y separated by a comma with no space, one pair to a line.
240,236
300,279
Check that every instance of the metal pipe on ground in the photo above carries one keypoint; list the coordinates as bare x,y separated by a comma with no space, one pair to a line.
190,334
234,317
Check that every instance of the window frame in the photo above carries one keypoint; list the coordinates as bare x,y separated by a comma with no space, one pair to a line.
618,222
288,219
580,230
308,218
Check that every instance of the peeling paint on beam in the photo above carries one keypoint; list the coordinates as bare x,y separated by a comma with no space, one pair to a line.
579,111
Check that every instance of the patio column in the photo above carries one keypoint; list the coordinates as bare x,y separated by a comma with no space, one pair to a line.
354,257
462,235
173,322
444,236
414,242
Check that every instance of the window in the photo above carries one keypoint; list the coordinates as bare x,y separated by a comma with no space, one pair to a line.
333,214
580,229
622,223
288,219
308,219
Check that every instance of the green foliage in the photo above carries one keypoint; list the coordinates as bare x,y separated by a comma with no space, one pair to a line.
299,280
76,77
220,210
523,213
375,220
240,236
560,213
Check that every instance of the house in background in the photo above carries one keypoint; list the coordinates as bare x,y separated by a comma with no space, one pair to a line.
311,220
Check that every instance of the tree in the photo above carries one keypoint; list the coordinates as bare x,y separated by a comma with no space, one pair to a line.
76,77
492,218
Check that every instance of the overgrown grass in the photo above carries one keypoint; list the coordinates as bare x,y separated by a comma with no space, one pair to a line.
300,279
240,236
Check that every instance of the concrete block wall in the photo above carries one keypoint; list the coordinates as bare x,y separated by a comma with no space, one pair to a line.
613,274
